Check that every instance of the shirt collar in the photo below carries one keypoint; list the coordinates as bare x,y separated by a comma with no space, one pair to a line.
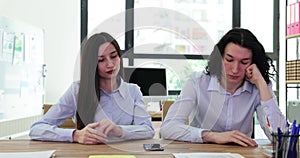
121,89
214,85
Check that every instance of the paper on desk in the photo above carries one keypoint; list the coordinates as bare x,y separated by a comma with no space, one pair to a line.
35,154
207,155
153,107
111,156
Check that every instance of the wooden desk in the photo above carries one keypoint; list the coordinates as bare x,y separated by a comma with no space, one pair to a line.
155,116
75,150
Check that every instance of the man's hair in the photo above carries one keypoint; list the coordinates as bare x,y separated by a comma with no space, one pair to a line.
246,39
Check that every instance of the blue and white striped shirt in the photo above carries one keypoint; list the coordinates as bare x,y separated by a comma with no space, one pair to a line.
121,106
208,107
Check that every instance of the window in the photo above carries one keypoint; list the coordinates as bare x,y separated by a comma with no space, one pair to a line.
179,27
252,10
167,28
107,17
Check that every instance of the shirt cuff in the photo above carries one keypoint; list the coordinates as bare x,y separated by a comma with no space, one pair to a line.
196,134
66,134
128,131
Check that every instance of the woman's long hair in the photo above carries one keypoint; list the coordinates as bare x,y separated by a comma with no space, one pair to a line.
89,89
246,39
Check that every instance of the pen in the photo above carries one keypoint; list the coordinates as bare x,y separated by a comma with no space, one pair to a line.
269,125
291,152
279,144
295,141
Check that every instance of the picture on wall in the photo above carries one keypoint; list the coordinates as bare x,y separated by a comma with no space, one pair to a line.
18,53
8,46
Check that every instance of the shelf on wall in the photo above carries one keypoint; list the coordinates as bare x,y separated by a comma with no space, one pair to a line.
292,36
293,81
293,70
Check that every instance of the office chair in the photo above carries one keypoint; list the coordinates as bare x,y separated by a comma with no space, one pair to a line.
68,122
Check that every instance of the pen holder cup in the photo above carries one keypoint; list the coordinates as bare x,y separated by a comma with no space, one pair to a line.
285,146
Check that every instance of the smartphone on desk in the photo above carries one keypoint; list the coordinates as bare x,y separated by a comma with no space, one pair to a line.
153,147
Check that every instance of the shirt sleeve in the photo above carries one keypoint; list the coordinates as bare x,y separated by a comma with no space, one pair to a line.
270,116
142,127
174,126
131,132
47,129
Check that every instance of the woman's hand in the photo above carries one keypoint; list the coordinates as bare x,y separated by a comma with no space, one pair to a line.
109,128
89,135
229,137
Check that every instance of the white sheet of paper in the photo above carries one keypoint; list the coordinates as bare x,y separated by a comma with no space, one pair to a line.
207,155
35,154
153,107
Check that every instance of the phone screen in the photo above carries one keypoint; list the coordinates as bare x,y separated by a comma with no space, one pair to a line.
153,147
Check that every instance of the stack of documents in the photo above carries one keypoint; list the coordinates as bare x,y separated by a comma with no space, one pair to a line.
111,156
207,155
35,154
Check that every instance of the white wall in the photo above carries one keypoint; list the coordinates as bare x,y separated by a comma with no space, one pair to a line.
60,20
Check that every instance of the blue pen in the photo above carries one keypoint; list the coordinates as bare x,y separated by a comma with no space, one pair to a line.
279,132
286,127
285,140
279,146
291,152
296,141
